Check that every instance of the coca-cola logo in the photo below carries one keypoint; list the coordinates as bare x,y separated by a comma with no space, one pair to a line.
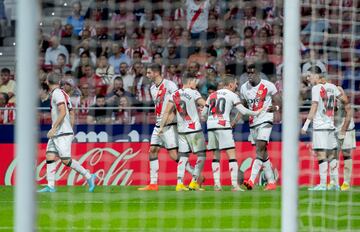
109,165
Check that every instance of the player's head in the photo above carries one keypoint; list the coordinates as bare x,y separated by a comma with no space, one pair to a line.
252,74
153,71
230,82
314,75
189,81
53,78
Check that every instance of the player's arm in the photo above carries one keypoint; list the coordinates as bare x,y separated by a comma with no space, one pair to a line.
310,117
72,117
168,111
238,115
276,103
245,111
348,112
62,112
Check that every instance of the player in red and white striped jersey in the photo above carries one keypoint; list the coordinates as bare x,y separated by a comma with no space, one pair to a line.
161,92
61,135
322,112
217,110
191,138
257,93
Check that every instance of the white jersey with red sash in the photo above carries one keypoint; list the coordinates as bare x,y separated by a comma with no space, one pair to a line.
220,104
57,98
186,110
161,95
257,97
197,16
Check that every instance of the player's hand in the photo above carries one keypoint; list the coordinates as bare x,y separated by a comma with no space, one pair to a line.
259,111
233,124
51,133
161,130
341,135
303,132
272,109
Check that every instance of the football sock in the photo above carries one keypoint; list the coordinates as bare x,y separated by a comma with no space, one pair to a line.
334,171
199,167
268,171
347,169
50,172
233,167
154,169
257,164
80,169
323,169
181,168
216,171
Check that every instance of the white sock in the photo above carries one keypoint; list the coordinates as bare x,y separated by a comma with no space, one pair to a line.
154,169
233,167
334,171
80,169
268,171
50,173
216,171
198,167
347,170
257,164
181,168
323,169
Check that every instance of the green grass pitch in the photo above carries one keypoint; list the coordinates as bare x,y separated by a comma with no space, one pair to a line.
126,209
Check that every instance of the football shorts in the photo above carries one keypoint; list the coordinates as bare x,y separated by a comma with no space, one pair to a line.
192,142
221,139
167,139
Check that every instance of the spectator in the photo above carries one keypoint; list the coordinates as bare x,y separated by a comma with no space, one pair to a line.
61,64
57,29
53,52
68,39
150,20
123,16
200,55
197,16
8,115
277,57
44,102
43,41
141,86
7,85
237,66
118,57
124,116
80,63
87,99
98,11
127,77
98,83
104,69
171,54
120,35
277,36
210,81
314,31
99,115
173,74
116,91
261,59
76,19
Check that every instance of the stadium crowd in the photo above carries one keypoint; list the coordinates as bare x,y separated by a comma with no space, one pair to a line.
102,50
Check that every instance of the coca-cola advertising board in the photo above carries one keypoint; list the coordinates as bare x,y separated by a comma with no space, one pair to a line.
127,163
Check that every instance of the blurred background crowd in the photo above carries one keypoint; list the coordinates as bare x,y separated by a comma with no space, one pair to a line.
102,48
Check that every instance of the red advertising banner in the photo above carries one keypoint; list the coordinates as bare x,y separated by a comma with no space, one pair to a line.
128,164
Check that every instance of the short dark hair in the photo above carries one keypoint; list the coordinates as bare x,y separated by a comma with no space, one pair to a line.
316,69
54,78
5,70
100,96
45,87
186,78
155,67
229,79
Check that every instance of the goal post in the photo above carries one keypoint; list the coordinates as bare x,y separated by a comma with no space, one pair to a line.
26,122
290,124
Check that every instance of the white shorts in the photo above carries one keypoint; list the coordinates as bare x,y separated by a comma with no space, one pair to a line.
324,140
192,142
349,140
261,132
168,139
221,139
60,145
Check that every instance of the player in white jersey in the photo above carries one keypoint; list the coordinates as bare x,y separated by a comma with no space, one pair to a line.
220,137
185,102
257,93
161,92
321,113
348,144
61,135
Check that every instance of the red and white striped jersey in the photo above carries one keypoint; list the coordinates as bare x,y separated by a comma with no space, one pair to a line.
57,98
8,115
258,97
220,104
186,109
161,95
